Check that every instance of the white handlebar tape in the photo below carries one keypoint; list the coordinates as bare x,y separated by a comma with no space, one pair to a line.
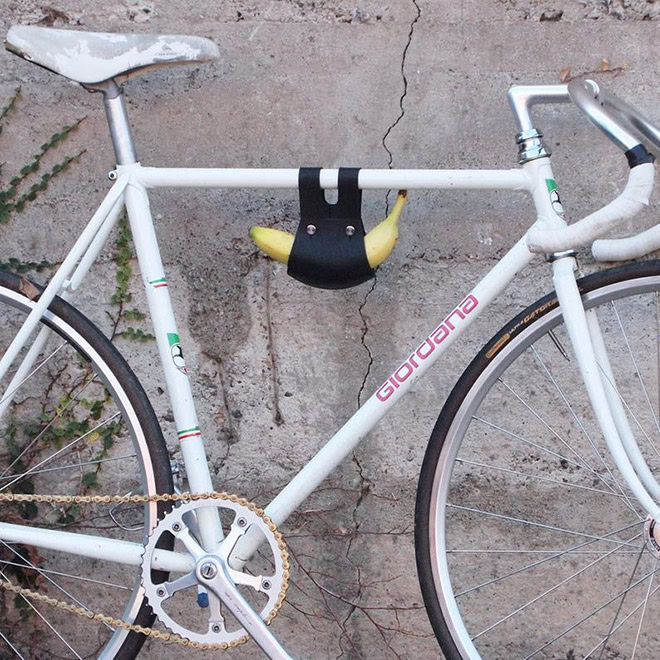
622,249
631,201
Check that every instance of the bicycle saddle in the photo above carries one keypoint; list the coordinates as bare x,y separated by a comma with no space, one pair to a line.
92,57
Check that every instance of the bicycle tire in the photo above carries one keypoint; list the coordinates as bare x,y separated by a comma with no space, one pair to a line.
94,397
501,476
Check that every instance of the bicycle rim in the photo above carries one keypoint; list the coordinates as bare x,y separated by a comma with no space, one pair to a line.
79,424
529,543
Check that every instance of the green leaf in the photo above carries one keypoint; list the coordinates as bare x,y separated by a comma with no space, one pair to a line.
133,315
89,479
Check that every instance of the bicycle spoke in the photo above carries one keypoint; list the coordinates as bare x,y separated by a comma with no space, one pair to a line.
639,375
71,466
583,462
556,555
629,411
657,343
49,579
6,395
641,620
58,416
539,525
561,457
599,454
45,620
623,621
59,452
461,551
11,646
593,613
620,607
546,592
80,578
537,545
526,475
77,422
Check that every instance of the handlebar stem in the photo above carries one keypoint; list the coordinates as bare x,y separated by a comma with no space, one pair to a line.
523,97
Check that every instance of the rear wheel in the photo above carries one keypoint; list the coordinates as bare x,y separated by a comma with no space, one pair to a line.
529,543
79,424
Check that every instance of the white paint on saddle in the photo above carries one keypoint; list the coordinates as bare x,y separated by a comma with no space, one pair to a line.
91,57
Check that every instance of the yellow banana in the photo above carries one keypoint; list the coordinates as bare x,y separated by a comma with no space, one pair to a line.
274,242
378,243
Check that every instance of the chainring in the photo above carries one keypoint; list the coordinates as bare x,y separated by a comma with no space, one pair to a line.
183,616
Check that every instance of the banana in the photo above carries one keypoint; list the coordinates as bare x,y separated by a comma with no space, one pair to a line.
274,242
378,243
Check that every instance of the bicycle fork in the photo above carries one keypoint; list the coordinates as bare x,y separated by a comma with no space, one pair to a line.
609,408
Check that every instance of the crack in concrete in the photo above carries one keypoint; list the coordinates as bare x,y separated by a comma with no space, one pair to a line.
402,110
365,330
230,433
364,482
364,490
231,437
277,413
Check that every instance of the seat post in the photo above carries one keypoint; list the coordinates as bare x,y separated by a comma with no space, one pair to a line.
120,129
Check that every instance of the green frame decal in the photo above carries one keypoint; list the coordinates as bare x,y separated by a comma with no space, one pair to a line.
551,185
176,351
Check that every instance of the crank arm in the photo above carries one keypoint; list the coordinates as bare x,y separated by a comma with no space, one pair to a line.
222,586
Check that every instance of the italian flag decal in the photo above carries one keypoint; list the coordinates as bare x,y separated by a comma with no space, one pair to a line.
189,433
158,284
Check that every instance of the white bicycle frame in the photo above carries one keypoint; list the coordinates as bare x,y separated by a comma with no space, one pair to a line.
131,183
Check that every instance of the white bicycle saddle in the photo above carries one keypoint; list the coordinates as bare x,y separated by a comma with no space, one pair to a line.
92,57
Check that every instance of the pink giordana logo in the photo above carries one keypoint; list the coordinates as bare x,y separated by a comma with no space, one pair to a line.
407,369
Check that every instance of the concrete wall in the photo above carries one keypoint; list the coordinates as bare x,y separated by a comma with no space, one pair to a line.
278,366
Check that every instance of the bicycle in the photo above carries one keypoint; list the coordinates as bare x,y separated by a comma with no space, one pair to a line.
229,560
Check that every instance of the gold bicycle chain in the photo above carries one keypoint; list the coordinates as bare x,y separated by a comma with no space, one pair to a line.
140,499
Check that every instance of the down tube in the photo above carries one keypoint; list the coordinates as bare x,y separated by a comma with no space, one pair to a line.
436,343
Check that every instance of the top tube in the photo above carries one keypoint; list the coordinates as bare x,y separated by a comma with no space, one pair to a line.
182,177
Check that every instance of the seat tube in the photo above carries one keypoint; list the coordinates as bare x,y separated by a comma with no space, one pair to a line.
162,314
171,357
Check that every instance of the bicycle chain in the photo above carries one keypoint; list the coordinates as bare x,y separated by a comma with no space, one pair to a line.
141,499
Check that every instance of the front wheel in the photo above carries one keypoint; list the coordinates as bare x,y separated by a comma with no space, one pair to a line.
79,424
529,543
